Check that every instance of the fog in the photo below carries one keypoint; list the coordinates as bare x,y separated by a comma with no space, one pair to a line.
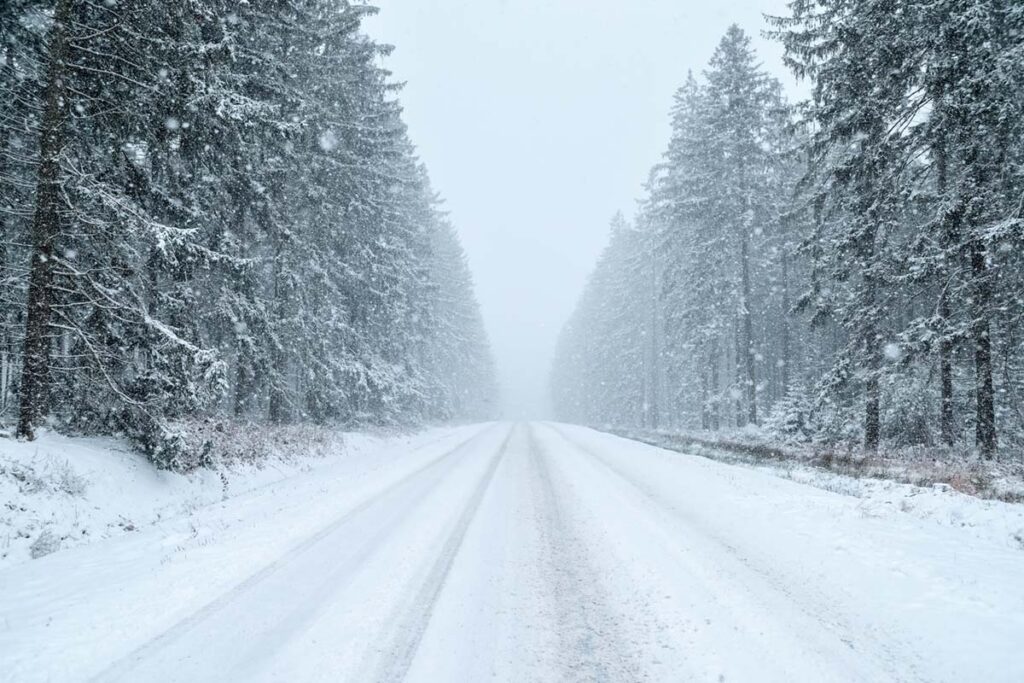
538,120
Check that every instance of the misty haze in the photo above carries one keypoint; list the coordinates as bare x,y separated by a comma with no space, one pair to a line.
511,340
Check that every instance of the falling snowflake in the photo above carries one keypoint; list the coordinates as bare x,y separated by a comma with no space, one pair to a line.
893,351
328,140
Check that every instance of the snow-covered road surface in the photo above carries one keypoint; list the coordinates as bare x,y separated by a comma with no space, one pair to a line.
528,552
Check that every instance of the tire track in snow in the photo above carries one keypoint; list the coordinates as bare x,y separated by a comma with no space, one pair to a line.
592,642
436,467
396,658
819,609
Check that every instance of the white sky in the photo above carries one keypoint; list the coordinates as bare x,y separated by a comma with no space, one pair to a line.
537,120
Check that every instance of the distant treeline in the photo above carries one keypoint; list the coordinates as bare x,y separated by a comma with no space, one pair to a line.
212,208
847,269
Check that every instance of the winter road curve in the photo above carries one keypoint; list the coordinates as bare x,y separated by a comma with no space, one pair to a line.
528,552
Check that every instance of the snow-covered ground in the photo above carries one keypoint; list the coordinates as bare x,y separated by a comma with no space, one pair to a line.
59,492
961,468
531,552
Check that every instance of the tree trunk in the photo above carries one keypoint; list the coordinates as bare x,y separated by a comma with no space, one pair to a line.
245,362
748,330
739,371
278,404
655,399
948,239
245,380
786,344
643,404
35,375
946,418
6,280
872,412
985,419
716,421
872,353
705,408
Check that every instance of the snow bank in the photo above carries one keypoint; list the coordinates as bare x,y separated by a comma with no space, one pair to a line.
59,492
887,489
964,472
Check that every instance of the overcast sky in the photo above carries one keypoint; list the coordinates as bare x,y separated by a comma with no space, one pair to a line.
538,120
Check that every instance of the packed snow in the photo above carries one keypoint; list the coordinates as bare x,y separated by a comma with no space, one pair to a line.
533,551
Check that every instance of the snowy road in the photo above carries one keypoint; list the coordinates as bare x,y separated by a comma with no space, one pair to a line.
529,552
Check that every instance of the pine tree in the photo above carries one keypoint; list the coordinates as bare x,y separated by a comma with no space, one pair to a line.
46,227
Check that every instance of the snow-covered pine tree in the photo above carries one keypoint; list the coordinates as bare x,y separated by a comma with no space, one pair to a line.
715,200
740,99
679,194
22,32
